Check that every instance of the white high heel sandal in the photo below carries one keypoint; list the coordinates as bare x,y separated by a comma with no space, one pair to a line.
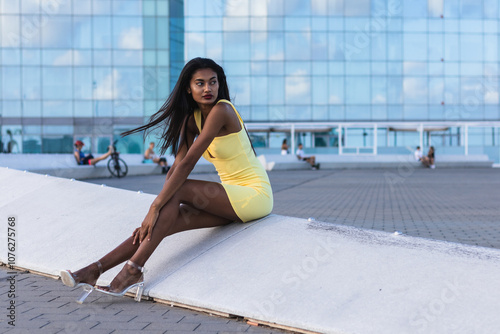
68,279
139,285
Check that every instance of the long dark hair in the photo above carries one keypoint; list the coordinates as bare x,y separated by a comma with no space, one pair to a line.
174,113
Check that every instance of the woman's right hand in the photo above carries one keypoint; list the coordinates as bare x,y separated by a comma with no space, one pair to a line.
146,229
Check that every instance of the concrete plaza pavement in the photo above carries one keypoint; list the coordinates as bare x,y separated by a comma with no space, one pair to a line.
457,205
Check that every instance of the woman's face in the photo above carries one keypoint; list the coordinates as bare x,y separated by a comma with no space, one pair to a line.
204,86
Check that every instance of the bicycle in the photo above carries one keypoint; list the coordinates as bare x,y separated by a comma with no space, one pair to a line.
116,166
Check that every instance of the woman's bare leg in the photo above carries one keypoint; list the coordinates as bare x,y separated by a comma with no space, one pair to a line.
197,204
102,157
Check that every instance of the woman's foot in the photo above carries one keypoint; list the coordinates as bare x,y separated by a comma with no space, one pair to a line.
129,275
87,275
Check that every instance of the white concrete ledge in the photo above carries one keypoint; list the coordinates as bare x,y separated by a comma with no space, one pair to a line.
311,276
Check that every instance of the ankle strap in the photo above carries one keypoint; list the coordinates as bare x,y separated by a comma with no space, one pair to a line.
99,265
132,264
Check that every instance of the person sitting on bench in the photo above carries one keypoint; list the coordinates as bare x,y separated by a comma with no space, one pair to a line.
82,159
310,159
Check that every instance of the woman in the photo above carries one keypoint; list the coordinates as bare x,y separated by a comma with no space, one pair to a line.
430,157
151,157
89,159
198,106
284,147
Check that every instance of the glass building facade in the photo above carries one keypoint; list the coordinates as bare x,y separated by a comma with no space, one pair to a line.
84,69
357,61
89,69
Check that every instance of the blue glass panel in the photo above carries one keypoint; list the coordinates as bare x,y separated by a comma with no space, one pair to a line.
298,7
395,67
212,23
435,8
82,32
258,68
32,108
31,83
415,47
394,90
336,90
259,90
379,90
378,46
127,7
489,88
415,113
275,23
128,58
451,68
471,26
436,68
357,68
258,23
490,69
10,35
491,113
215,42
319,23
277,113
11,82
276,68
148,7
83,83
236,68
471,47
358,90
298,113
276,46
127,33
297,46
149,26
103,108
336,68
275,8
240,89
336,47
297,68
415,68
336,7
490,26
320,113
379,113
101,7
490,47
236,24
379,68
259,113
57,83
162,32
297,24
258,7
319,46
236,46
451,90
195,23
490,9
31,57
394,24
29,6
436,25
132,107
471,9
436,47
336,24
436,112
83,109
82,7
451,51
357,46
101,32
357,8
102,57
57,108
11,56
415,90
471,69
298,89
412,8
436,90
276,90
357,24
395,112
195,45
336,113
394,46
11,108
361,113
195,8
379,7
415,25
319,67
57,32
320,90
451,9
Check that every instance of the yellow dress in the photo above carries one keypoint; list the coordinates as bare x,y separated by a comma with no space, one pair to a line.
242,175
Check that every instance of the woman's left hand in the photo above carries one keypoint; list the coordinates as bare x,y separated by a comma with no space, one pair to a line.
146,229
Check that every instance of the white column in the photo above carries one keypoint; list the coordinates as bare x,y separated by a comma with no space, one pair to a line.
292,134
340,139
421,136
466,139
375,139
